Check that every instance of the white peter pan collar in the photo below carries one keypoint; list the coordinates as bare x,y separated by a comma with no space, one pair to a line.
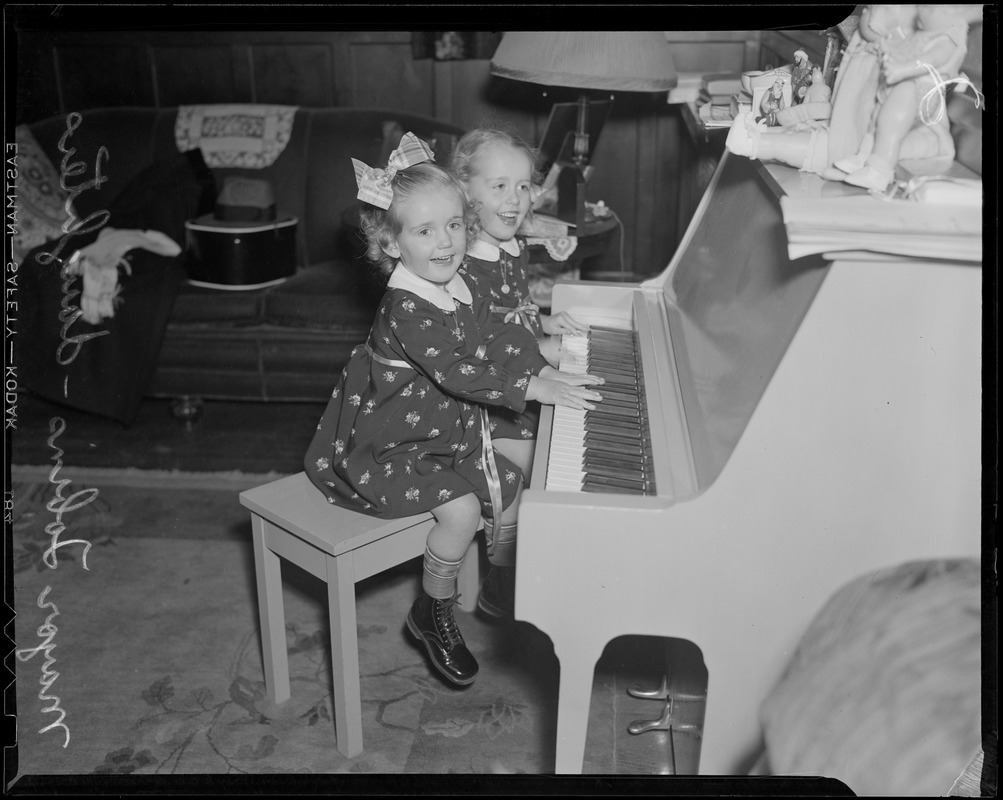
444,296
489,252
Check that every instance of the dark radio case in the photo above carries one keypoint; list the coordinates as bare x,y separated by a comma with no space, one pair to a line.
240,255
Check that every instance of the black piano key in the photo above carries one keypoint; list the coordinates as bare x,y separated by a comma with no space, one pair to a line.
616,410
612,434
611,330
616,402
598,472
597,461
614,449
622,390
616,366
611,420
624,483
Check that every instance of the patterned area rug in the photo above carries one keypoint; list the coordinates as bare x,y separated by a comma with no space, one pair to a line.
138,654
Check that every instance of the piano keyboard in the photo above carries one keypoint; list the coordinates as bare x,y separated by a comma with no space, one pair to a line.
607,449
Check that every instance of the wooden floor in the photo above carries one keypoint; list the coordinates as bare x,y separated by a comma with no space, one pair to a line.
260,438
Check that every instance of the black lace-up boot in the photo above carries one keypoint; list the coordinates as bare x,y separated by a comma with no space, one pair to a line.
497,598
431,622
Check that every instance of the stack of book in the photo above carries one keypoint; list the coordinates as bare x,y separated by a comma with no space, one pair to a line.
717,98
741,102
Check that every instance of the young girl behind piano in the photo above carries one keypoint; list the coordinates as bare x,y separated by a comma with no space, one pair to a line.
498,171
405,430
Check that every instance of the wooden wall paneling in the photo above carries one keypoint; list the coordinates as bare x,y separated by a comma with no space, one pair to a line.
523,106
200,73
777,48
96,75
293,75
383,73
714,51
656,222
465,97
37,85
615,180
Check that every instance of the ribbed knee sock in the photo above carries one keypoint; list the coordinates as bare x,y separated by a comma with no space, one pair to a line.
502,553
438,577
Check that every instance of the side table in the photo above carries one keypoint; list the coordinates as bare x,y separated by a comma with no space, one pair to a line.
594,241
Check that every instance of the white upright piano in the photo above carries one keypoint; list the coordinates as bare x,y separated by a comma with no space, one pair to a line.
801,422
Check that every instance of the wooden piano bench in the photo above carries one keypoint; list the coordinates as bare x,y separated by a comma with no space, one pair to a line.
292,520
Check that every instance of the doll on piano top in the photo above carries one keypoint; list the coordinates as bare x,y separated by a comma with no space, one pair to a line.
915,71
405,430
887,105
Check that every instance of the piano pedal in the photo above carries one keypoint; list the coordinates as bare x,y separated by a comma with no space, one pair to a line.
664,723
662,693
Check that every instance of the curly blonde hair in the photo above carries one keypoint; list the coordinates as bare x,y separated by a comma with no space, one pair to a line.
464,164
381,227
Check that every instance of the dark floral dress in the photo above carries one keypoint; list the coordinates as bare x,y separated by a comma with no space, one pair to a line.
401,433
502,278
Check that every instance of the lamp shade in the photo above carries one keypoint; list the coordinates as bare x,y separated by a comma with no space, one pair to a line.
623,61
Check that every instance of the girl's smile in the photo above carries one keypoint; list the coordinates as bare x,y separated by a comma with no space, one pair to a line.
433,238
500,190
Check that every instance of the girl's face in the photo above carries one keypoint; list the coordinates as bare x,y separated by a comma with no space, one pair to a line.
433,238
500,191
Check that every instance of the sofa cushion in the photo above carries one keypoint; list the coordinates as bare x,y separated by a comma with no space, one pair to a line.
323,296
327,296
175,187
199,305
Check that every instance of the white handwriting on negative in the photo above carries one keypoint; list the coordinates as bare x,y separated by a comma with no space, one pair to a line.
59,505
47,631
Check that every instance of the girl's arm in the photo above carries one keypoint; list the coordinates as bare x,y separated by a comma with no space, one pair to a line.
428,339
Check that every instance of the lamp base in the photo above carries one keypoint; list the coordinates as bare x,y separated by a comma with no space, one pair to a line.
571,194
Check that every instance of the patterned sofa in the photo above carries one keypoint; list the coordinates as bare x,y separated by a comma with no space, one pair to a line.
289,341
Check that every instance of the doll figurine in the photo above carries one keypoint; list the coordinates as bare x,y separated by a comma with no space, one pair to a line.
771,104
801,77
859,125
815,104
915,71
859,89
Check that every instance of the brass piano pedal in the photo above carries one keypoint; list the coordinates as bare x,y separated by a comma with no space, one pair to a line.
663,723
662,692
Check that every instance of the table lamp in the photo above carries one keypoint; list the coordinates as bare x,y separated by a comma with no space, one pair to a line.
613,61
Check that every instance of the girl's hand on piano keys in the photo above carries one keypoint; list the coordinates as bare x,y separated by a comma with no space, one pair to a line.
574,379
562,323
559,393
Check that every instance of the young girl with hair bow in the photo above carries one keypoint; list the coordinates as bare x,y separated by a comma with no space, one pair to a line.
406,428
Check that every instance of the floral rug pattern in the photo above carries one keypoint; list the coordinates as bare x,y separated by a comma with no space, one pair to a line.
159,663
